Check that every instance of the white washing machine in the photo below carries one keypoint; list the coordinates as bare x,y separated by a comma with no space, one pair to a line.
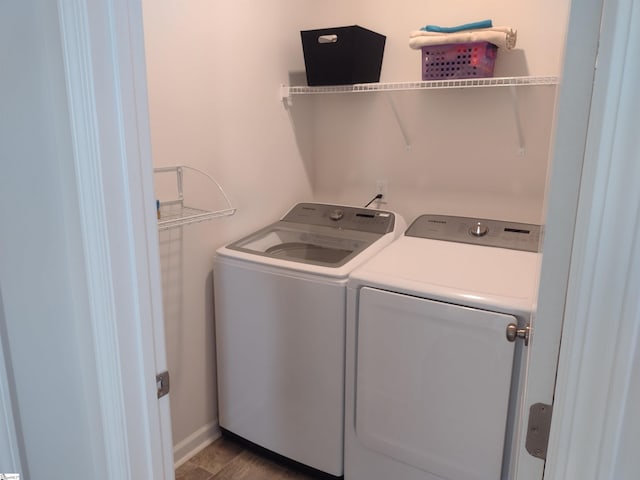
280,313
433,384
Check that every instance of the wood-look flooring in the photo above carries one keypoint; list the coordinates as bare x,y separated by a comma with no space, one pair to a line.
225,459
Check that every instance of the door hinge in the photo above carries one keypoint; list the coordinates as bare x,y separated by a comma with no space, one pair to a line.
162,384
514,332
538,429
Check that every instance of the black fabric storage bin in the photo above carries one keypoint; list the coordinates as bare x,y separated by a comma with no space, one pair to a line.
342,55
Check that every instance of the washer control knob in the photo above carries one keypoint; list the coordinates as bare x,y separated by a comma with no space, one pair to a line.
336,214
478,230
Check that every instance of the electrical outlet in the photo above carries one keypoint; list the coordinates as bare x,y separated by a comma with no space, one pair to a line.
382,187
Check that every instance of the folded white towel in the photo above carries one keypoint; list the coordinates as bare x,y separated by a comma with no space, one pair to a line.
508,30
503,37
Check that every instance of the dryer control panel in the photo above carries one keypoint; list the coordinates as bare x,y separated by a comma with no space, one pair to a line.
477,231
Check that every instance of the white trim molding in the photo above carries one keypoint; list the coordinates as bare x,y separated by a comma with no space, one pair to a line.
103,50
10,451
568,149
85,131
602,317
195,442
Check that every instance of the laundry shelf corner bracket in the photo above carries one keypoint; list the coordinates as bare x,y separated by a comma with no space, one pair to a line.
285,95
174,212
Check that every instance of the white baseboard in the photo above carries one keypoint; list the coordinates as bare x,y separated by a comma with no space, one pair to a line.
195,442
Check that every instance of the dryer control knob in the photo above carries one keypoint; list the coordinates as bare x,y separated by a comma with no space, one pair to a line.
336,214
478,230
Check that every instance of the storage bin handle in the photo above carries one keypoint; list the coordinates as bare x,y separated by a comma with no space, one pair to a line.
327,38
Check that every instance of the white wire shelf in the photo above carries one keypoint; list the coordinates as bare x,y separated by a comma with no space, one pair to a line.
178,215
287,90
174,213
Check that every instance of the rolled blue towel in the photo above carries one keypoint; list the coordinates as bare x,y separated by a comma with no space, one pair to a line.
459,28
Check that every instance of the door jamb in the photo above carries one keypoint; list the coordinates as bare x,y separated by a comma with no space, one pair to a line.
103,49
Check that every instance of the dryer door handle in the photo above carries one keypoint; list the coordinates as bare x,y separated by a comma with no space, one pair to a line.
514,332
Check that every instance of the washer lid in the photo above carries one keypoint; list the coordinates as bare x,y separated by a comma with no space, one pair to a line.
305,244
319,234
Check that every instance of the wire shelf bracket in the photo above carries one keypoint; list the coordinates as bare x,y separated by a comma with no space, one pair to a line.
174,213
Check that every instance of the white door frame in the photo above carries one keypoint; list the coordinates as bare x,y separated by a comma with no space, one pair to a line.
591,265
121,49
602,312
569,144
10,452
115,41
104,59
103,50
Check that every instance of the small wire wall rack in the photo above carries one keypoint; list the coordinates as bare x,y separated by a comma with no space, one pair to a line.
174,213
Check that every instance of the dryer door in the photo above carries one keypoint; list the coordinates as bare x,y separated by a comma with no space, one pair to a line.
433,384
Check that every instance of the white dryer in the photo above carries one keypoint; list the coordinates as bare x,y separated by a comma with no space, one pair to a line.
433,384
280,313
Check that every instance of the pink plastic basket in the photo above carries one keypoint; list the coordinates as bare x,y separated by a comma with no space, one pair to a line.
458,60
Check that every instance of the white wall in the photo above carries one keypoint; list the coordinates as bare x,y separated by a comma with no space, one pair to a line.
48,339
214,69
463,157
464,144
541,29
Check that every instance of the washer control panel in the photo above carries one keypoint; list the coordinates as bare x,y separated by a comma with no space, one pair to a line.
477,231
348,218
